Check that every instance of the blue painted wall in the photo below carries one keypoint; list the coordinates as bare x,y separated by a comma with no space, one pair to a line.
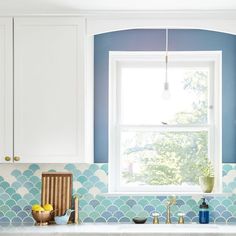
149,40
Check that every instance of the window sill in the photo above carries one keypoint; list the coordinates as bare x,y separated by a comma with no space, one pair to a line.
115,194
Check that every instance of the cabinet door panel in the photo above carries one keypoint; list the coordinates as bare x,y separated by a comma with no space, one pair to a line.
6,90
48,90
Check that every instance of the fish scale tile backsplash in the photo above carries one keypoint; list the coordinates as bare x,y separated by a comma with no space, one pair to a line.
20,187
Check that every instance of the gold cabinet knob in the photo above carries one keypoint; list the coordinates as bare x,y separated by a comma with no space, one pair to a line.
7,158
16,158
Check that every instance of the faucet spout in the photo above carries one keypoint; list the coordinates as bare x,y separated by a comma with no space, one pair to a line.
169,203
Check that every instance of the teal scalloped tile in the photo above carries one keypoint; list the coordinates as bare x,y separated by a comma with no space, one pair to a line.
161,209
150,198
106,203
28,197
10,191
4,208
130,214
35,179
144,214
34,201
227,189
16,197
16,173
226,202
105,168
87,185
38,196
118,202
82,179
38,185
69,167
10,214
94,215
100,209
28,185
16,185
232,208
87,173
103,208
34,191
28,173
155,202
93,168
34,167
88,197
104,190
82,191
10,203
124,198
214,203
4,184
191,203
22,203
227,167
137,208
28,220
2,190
124,208
4,197
143,202
22,179
100,185
94,179
83,215
83,203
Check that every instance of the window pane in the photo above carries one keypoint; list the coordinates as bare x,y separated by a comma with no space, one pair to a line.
162,158
142,101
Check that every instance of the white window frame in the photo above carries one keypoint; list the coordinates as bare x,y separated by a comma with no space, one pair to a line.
215,114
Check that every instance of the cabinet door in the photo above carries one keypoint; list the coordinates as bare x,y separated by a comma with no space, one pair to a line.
6,90
49,89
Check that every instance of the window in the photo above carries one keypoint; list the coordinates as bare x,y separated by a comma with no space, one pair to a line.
158,145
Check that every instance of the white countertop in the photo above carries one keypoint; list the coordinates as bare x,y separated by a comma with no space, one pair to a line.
120,229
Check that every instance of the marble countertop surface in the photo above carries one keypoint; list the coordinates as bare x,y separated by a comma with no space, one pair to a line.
120,229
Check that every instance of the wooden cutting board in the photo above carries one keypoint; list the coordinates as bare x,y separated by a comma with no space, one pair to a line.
57,191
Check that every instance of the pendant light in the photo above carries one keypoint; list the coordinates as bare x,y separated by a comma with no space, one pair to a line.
166,91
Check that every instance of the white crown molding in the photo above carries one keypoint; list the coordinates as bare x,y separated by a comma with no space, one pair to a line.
227,14
98,22
107,21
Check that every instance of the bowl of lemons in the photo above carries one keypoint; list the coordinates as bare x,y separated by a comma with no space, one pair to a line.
42,214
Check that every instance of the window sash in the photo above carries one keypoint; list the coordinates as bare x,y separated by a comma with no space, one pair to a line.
155,188
213,127
193,63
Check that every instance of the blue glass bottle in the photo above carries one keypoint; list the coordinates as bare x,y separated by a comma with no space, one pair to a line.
204,212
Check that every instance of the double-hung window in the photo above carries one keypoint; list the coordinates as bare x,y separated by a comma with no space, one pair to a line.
158,144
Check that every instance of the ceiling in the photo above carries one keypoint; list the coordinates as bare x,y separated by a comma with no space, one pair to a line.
70,6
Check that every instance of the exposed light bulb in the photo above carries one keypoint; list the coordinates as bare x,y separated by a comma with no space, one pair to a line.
166,91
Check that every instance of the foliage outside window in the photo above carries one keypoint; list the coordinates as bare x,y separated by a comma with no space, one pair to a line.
156,144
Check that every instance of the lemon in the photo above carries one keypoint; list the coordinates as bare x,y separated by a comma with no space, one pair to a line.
48,207
40,209
35,206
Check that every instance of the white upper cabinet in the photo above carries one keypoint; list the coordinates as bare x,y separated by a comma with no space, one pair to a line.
49,102
6,90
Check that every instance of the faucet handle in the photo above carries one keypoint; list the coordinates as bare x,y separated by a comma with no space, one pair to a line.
155,217
181,218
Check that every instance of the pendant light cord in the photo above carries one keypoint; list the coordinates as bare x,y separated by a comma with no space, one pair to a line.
167,39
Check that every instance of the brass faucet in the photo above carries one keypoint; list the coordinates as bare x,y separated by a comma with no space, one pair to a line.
171,201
